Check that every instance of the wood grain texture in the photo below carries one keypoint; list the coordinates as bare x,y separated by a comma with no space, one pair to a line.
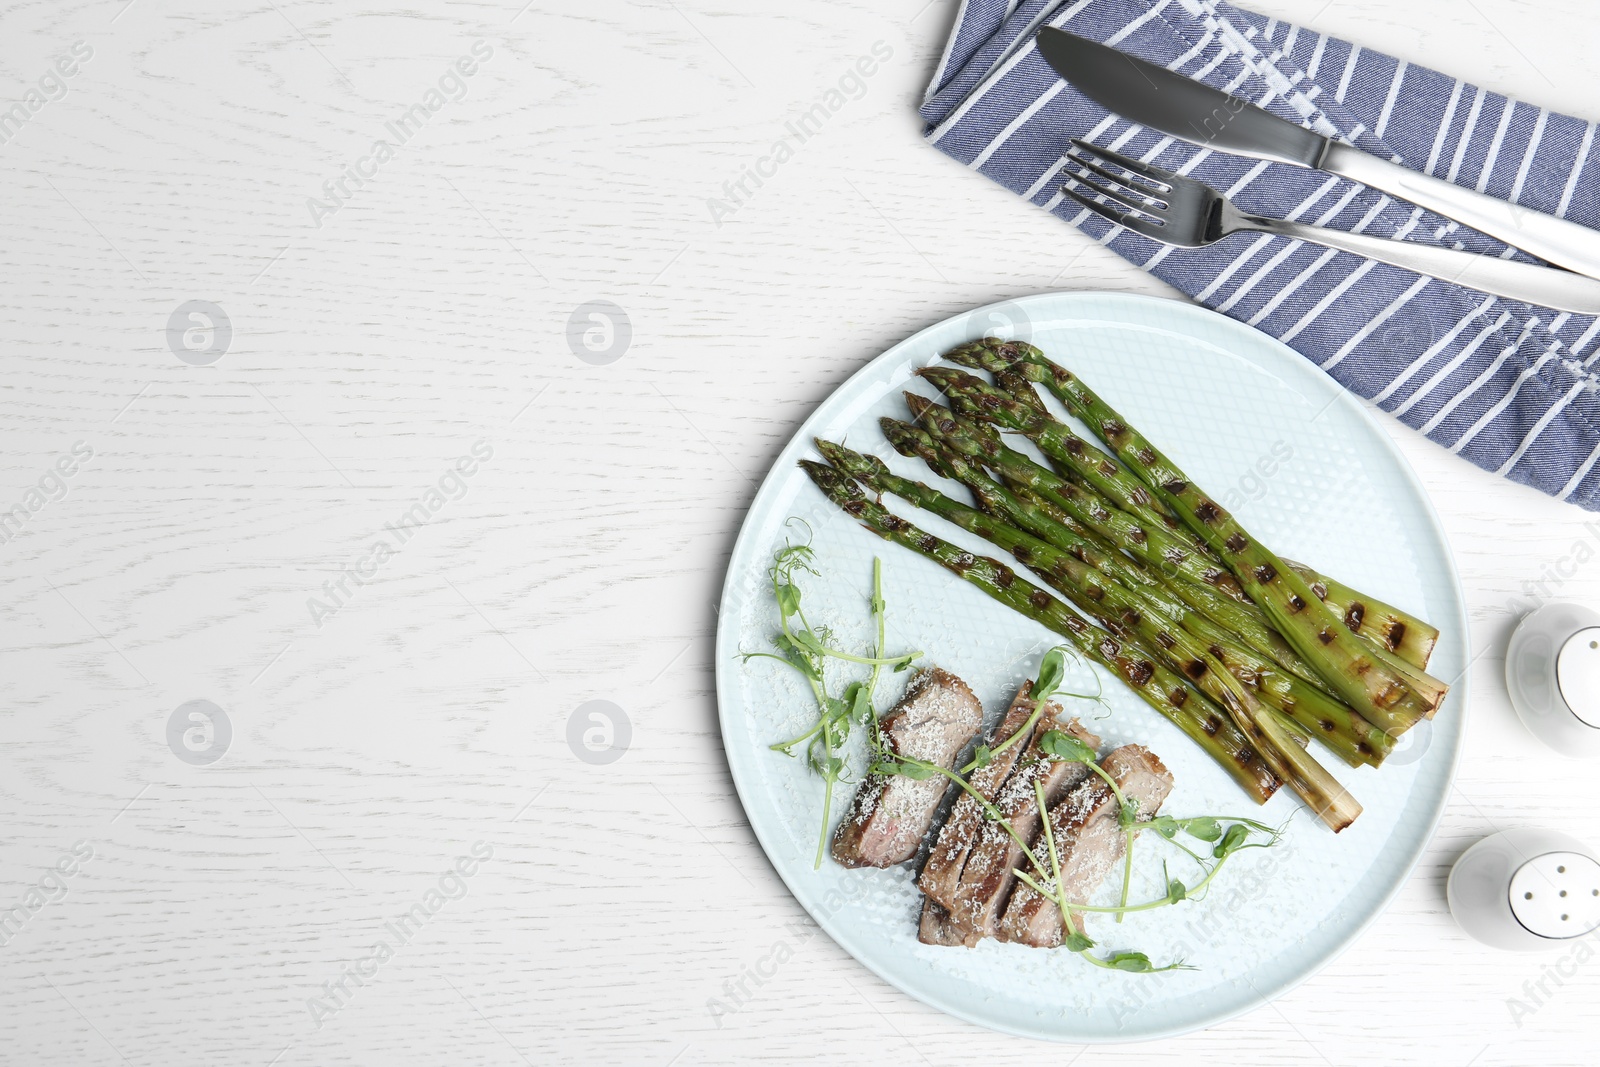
582,560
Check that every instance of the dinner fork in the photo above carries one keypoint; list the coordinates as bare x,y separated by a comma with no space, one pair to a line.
1175,210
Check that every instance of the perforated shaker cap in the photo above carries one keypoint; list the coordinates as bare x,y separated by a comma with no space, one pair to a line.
1557,895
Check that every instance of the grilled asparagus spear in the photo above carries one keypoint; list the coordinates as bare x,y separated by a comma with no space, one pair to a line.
979,442
1166,692
1056,554
1383,625
1154,544
1368,684
1429,690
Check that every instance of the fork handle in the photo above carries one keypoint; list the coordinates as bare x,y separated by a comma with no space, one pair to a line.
1546,286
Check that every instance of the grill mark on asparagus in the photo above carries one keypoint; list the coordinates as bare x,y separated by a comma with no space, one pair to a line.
1396,634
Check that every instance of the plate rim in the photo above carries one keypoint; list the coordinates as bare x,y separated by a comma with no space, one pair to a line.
1461,688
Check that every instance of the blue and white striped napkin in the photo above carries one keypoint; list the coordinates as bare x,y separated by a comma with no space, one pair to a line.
1510,386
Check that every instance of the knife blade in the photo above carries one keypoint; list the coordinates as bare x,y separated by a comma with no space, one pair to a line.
1181,107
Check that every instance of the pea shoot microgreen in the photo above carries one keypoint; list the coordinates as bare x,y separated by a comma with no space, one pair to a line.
806,648
1227,836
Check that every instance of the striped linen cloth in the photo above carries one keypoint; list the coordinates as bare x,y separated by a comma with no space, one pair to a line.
1509,386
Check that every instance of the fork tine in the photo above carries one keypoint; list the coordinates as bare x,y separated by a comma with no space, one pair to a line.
1114,194
1120,183
1159,175
1103,210
1151,228
1127,219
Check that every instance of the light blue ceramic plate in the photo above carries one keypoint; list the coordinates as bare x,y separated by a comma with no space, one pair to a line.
1308,471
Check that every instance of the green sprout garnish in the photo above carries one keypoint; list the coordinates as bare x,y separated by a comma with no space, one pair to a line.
807,648
1226,835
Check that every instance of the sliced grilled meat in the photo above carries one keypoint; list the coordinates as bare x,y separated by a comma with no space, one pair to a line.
941,875
1088,840
890,814
935,927
988,878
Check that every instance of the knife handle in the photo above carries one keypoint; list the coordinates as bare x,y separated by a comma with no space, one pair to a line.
1565,244
1545,286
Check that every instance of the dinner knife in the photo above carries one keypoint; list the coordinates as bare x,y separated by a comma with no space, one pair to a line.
1181,107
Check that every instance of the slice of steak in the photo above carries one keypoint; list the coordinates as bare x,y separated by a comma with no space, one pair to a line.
941,874
1089,842
890,814
935,927
987,880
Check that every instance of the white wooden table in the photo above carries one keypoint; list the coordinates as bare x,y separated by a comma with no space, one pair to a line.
228,912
